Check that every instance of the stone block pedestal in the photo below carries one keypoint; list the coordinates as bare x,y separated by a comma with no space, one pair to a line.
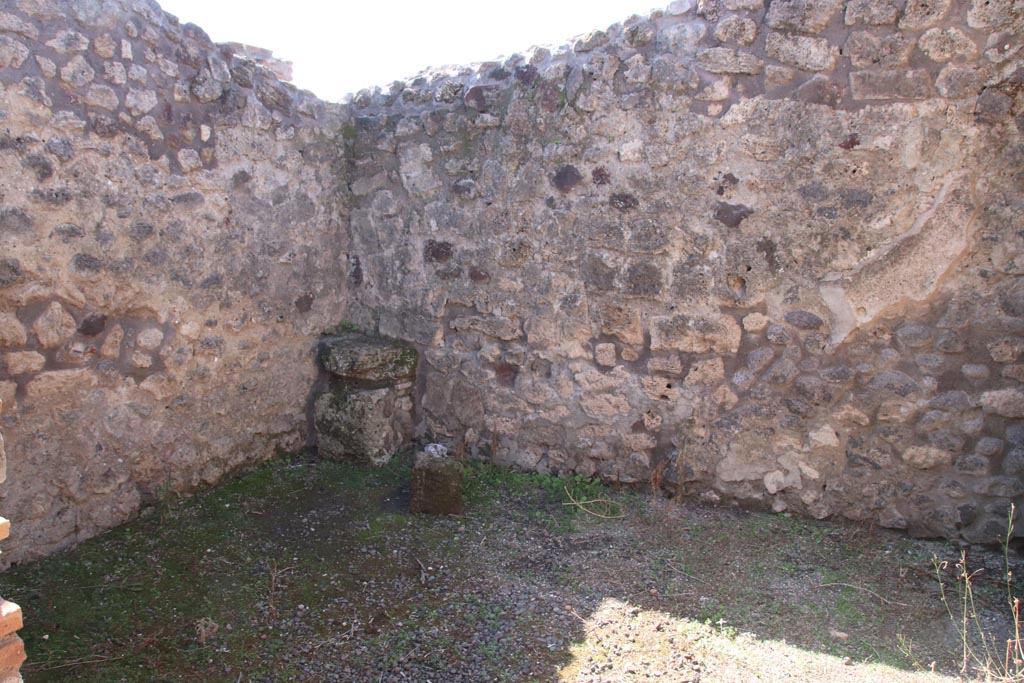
437,485
365,412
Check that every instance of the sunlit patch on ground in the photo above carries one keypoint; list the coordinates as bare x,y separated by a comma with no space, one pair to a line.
625,643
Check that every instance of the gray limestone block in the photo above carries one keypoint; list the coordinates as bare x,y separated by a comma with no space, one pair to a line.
922,14
362,358
992,14
723,60
972,464
988,446
810,54
1005,402
364,425
807,16
867,50
895,381
871,12
914,84
954,401
950,342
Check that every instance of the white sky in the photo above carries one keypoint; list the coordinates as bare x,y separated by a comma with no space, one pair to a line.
341,47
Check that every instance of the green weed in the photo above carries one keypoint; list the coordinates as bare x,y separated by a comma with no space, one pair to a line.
557,502
980,651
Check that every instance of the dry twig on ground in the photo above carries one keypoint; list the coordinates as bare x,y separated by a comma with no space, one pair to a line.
582,505
861,588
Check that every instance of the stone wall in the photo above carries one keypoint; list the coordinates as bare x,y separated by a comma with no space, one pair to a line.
168,249
768,252
763,251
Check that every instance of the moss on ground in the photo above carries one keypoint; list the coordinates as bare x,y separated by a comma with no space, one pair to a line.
315,571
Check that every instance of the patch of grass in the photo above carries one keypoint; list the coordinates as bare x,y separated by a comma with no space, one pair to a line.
301,560
380,527
187,582
488,487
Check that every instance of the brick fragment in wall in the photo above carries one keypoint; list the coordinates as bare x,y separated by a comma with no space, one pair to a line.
12,654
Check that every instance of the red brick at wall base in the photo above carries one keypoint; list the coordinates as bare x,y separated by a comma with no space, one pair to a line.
12,654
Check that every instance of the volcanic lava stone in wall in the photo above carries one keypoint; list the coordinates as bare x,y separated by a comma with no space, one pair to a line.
365,413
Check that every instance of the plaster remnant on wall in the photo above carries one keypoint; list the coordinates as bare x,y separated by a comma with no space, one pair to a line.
911,267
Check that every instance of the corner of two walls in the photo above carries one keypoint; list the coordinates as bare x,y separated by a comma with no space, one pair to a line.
762,251
759,251
169,241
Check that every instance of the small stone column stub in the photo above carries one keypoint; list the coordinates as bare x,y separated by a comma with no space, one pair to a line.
365,413
437,482
12,650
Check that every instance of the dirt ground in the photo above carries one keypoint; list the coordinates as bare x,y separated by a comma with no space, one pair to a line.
316,571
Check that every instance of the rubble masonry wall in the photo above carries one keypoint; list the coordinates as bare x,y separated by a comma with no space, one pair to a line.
762,251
